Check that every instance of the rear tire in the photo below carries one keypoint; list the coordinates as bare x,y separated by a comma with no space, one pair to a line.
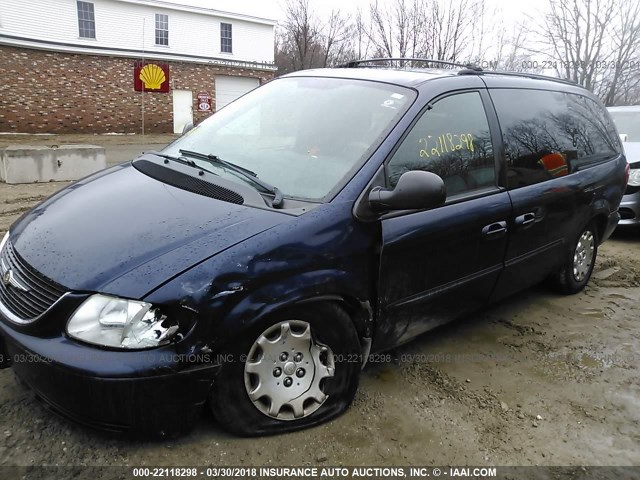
578,263
295,369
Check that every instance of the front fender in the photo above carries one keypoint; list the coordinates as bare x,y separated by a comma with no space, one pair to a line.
328,285
327,255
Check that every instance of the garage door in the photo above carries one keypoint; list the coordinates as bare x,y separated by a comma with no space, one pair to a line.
230,88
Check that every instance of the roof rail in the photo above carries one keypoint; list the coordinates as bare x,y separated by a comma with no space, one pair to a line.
358,63
522,74
466,69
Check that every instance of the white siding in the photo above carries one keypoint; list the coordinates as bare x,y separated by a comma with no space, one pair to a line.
119,25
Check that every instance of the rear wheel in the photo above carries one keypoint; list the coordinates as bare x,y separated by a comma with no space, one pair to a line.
293,370
579,262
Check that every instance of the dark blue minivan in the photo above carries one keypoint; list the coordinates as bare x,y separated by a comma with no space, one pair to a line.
255,264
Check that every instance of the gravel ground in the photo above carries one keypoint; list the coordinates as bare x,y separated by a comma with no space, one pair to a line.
538,379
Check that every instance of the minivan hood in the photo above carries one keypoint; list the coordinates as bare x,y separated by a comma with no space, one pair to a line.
123,233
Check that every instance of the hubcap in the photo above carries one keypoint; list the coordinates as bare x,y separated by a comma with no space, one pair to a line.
583,256
285,371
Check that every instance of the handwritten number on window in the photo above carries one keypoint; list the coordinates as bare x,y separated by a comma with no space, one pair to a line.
445,143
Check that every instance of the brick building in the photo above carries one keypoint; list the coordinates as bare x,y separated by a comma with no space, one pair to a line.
111,65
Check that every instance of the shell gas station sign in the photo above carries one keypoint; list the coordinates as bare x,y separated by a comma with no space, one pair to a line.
151,77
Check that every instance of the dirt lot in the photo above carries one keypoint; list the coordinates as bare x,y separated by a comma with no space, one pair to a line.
539,379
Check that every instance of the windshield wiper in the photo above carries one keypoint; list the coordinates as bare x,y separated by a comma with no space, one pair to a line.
182,160
245,172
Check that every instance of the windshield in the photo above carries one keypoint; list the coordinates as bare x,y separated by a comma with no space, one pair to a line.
301,135
627,123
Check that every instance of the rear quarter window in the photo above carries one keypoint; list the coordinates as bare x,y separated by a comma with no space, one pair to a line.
550,134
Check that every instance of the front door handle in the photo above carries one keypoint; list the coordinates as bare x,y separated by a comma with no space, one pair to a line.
495,230
525,219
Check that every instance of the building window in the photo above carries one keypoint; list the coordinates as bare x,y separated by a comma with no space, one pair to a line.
225,38
162,29
86,20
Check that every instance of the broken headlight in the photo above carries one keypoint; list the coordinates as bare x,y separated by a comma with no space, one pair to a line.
120,323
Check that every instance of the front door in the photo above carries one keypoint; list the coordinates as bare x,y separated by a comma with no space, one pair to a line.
182,109
437,264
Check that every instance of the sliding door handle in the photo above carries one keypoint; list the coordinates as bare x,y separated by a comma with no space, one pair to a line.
495,230
526,219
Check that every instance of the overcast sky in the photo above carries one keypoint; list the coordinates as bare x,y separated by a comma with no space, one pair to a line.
259,8
511,10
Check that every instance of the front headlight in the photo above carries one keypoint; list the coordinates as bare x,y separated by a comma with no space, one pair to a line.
120,323
634,177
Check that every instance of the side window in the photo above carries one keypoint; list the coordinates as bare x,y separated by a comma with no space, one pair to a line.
452,140
551,134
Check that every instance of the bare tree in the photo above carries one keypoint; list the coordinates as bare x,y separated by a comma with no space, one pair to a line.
299,41
381,32
305,41
361,40
576,30
510,51
626,59
337,37
398,29
450,30
629,91
438,29
450,27
595,43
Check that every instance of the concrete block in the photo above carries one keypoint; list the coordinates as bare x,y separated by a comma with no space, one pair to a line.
30,164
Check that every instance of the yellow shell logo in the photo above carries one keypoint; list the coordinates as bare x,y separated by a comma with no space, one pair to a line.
152,76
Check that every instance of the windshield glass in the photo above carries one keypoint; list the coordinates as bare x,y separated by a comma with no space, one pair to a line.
301,135
627,123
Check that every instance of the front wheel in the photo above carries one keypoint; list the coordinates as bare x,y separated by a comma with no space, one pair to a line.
296,369
579,262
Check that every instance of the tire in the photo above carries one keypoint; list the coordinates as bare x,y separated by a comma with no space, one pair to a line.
329,327
574,274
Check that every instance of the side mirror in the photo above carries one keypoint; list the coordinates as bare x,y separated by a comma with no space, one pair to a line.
415,190
188,127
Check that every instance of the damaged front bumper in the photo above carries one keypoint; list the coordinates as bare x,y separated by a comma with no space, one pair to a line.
149,392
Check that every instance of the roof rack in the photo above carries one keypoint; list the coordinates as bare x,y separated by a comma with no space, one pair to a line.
529,75
466,69
358,63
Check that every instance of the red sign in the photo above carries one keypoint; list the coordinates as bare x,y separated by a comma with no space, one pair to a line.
152,77
204,102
